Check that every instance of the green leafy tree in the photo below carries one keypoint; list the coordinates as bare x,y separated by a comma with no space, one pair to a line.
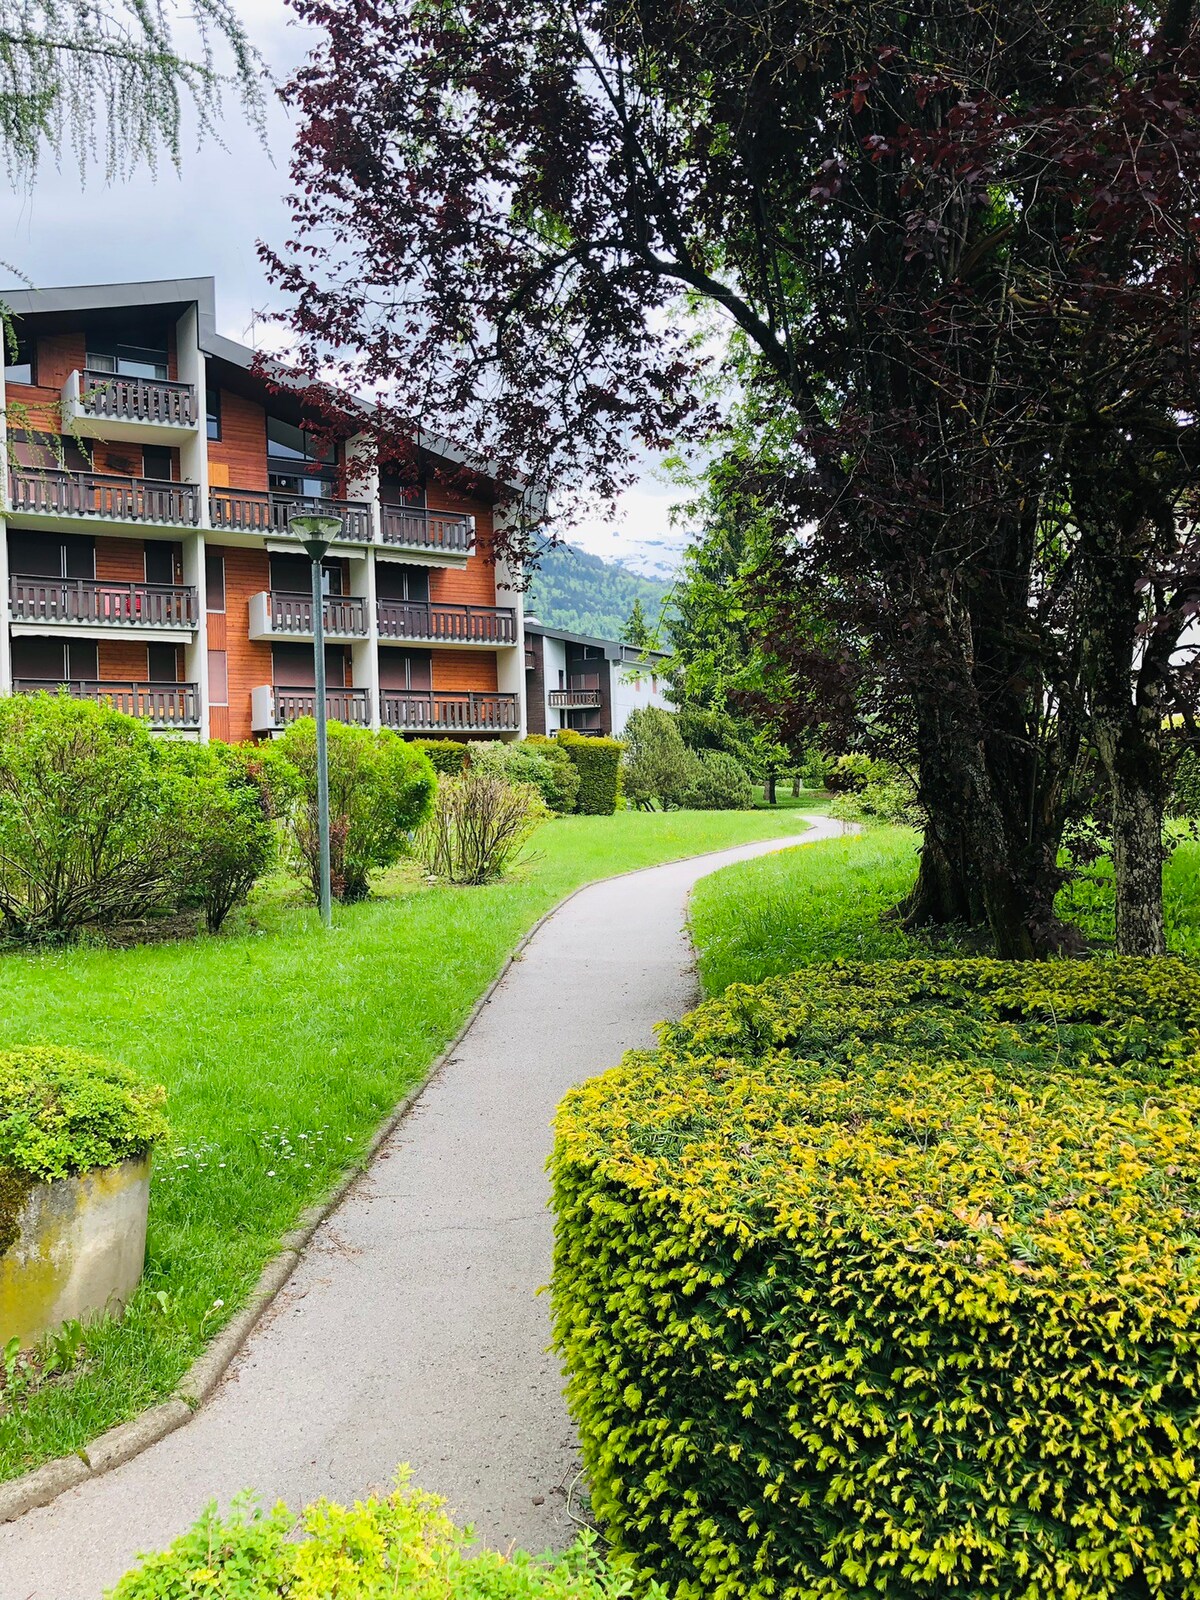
637,631
380,790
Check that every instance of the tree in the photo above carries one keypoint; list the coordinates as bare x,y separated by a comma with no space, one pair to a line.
938,232
104,80
637,630
659,768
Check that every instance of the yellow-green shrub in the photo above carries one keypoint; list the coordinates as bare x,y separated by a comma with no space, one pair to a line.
885,1280
599,764
401,1545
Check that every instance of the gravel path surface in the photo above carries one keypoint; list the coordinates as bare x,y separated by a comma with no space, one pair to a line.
411,1331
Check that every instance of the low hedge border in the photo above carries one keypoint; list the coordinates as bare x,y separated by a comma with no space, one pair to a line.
884,1280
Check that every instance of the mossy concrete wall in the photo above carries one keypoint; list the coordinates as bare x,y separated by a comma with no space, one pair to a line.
79,1251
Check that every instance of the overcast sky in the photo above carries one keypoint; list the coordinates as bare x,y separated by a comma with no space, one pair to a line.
204,220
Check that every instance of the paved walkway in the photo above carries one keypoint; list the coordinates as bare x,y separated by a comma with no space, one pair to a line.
410,1331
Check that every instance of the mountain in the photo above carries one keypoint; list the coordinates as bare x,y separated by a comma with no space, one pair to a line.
583,593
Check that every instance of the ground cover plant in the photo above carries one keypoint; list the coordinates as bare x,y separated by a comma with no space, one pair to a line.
281,1050
386,1546
883,1279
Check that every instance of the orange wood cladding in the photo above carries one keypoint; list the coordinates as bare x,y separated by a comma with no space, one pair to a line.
120,560
464,669
59,354
218,723
240,454
248,660
474,584
122,661
33,406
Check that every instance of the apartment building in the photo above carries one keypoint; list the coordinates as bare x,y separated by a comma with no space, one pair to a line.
152,475
590,685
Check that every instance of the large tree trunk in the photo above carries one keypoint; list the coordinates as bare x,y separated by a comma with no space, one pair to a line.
1137,818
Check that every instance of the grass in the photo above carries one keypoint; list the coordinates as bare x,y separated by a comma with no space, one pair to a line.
282,1049
827,901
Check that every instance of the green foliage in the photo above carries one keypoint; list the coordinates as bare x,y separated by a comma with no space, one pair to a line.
657,768
449,757
636,630
721,784
1185,790
849,774
875,791
478,826
883,1279
227,835
583,593
89,817
542,763
402,1544
598,762
815,769
380,789
64,1112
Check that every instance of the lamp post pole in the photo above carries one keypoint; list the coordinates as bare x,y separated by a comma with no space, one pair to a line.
315,533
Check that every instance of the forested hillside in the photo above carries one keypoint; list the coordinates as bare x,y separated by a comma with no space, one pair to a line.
586,594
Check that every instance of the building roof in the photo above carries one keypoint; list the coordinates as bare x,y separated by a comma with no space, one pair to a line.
614,649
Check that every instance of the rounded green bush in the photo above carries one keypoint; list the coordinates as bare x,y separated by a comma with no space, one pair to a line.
598,762
63,1112
885,1280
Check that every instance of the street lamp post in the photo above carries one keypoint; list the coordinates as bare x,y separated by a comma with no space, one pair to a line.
316,534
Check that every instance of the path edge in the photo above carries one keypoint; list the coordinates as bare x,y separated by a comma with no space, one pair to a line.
128,1439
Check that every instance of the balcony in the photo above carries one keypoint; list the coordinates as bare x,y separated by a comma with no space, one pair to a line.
107,405
273,706
167,707
575,699
267,513
275,614
40,497
432,623
420,710
90,608
430,533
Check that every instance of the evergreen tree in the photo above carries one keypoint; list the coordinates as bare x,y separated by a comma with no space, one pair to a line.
637,630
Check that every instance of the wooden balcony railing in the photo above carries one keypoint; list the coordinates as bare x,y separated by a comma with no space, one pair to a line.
108,394
340,614
341,705
94,494
417,529
419,709
266,511
105,605
574,699
162,705
421,619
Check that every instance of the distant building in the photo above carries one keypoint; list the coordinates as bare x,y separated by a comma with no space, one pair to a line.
590,685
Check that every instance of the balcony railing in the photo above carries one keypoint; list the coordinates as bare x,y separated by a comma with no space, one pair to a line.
109,395
162,705
341,705
419,709
345,615
104,605
268,512
574,699
452,624
94,494
414,528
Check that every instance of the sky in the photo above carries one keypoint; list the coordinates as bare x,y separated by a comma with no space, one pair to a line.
204,221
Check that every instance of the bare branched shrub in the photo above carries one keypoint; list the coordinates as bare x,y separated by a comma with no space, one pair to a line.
478,827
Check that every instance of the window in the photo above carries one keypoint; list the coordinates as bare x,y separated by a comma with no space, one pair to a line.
291,574
51,555
297,463
52,661
143,356
395,581
214,580
162,663
218,678
163,561
212,403
18,362
157,463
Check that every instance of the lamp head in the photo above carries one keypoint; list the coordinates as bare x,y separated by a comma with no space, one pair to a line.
316,532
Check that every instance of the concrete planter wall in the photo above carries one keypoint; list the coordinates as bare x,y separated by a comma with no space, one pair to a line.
80,1250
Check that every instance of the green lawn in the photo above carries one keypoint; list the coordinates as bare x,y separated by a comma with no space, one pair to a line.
282,1049
827,901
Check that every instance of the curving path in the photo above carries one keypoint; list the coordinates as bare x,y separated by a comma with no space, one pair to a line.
410,1331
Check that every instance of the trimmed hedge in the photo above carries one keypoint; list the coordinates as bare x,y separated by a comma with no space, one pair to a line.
599,764
885,1280
448,757
400,1545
